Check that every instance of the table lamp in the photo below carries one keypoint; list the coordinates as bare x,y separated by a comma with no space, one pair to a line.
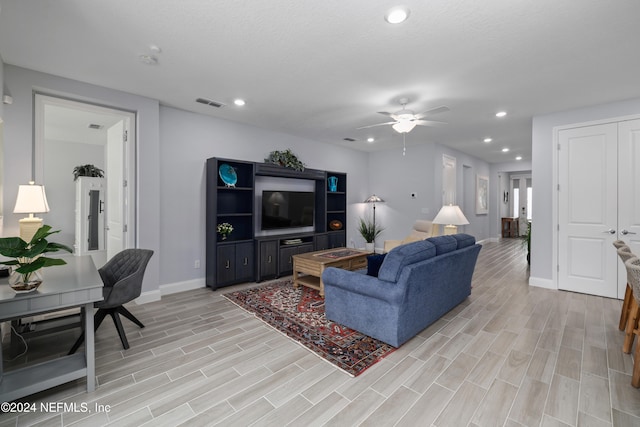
31,200
451,216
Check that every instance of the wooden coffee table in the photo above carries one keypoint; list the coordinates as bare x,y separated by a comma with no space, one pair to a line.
308,267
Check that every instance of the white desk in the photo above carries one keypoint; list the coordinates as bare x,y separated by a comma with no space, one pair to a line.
76,284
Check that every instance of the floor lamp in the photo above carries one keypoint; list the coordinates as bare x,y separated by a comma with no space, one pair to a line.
374,199
451,216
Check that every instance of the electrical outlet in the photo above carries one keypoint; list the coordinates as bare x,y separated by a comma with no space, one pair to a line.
196,264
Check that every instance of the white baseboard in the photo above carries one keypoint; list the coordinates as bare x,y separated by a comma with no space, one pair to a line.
542,283
170,288
489,240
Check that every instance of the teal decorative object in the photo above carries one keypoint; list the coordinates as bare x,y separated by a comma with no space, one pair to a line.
333,183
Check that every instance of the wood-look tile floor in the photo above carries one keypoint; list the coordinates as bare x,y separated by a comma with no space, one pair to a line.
510,355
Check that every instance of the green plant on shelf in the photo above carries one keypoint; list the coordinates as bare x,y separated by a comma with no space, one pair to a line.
286,159
224,229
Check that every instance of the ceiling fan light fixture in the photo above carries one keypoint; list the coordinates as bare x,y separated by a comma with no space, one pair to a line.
403,126
397,15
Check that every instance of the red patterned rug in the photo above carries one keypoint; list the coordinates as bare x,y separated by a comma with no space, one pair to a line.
299,314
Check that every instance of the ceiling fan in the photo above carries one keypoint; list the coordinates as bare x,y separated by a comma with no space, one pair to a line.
405,120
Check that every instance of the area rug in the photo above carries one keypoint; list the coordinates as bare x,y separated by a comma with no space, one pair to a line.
299,314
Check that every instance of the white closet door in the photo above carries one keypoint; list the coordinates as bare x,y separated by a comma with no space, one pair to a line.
588,212
628,192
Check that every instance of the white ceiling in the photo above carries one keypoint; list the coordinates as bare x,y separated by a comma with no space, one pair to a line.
321,69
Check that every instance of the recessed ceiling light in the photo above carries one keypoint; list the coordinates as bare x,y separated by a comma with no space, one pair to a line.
519,158
239,102
505,150
487,140
370,139
501,113
396,15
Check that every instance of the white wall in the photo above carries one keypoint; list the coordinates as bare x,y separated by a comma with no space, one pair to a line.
187,140
394,177
542,262
18,135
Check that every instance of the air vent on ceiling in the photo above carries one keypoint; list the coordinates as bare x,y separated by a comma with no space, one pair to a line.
95,126
210,102
349,139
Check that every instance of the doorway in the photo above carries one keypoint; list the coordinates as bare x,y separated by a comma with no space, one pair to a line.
69,134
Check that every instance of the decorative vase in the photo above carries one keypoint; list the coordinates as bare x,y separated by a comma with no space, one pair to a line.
369,247
333,183
18,283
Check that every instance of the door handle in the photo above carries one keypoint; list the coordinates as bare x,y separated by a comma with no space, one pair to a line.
610,231
625,232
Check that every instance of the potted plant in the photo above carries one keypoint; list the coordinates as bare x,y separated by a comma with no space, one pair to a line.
369,231
87,170
285,158
28,258
224,229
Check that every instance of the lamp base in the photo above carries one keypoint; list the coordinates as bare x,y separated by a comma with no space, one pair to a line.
450,229
28,227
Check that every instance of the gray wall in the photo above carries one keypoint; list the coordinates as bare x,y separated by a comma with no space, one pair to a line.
542,176
499,180
18,133
394,177
187,140
171,152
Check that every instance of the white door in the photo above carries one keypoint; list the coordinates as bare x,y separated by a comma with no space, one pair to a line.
588,211
628,192
115,189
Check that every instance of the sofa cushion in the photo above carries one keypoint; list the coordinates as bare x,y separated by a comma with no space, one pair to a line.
464,240
443,244
403,255
374,262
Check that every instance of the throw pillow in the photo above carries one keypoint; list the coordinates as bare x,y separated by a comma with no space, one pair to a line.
373,264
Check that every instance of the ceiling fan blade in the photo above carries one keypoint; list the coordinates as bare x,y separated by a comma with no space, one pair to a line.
379,124
428,123
436,110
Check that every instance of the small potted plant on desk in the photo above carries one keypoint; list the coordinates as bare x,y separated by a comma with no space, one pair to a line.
369,231
28,258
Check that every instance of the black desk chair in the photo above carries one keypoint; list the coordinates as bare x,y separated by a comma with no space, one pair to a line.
122,277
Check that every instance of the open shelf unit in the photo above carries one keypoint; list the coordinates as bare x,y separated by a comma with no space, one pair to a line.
243,256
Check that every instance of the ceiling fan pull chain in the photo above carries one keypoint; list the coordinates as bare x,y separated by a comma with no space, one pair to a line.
404,144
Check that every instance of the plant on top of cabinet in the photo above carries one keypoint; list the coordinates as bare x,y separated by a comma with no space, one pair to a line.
285,158
87,170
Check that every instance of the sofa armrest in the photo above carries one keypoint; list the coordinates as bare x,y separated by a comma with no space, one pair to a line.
362,284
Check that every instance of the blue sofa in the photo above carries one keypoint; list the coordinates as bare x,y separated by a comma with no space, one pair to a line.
417,283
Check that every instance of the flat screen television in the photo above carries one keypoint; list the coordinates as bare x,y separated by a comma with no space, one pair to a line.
287,209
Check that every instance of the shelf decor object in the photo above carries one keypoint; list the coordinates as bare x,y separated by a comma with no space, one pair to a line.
224,229
333,183
451,216
228,175
286,159
335,225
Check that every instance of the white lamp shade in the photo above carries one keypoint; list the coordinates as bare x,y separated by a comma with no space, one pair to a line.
31,199
404,126
450,215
